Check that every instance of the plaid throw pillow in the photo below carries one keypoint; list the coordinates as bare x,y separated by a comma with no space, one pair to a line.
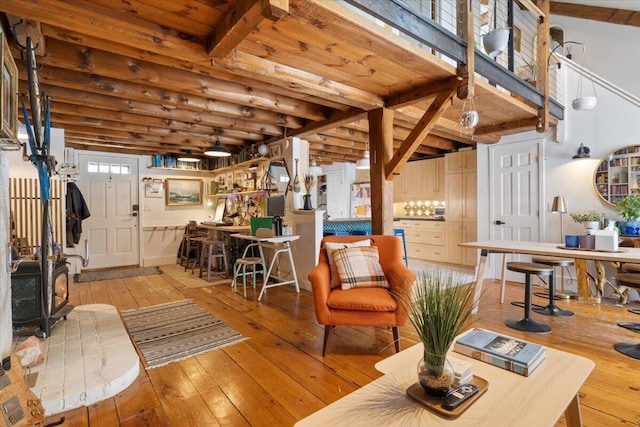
334,246
359,268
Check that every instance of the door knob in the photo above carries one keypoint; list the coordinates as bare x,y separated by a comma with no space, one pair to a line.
498,222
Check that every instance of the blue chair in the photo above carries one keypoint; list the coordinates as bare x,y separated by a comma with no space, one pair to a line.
341,233
399,232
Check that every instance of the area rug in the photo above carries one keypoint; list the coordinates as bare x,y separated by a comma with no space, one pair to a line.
174,331
117,273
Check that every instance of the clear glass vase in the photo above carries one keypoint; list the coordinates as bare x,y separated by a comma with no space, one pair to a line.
435,374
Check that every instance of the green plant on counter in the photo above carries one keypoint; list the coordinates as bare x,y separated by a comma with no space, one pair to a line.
629,207
586,217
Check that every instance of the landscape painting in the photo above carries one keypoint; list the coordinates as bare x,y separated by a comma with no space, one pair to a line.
183,192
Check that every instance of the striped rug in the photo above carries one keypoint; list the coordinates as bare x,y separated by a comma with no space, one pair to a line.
174,331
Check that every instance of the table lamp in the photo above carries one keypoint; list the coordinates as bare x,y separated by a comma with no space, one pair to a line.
560,207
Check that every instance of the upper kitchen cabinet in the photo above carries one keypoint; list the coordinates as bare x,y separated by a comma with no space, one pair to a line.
461,161
420,180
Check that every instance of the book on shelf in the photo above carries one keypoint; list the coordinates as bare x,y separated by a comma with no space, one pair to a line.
515,355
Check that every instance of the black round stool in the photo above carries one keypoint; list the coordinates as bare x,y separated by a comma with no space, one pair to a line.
630,349
552,309
529,269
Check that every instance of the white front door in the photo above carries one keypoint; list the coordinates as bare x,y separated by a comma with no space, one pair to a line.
515,191
110,188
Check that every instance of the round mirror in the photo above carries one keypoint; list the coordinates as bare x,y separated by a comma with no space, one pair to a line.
618,174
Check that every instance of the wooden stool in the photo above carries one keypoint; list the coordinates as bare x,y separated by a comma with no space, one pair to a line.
208,254
193,244
630,349
552,309
529,269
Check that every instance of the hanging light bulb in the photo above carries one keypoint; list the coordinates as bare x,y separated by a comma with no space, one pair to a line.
263,149
364,162
469,118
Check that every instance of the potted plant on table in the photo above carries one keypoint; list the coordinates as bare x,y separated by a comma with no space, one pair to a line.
629,209
439,307
590,220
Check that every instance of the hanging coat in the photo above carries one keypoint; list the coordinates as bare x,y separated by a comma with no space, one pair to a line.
77,210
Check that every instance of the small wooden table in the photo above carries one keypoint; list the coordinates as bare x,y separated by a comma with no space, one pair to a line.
280,245
511,399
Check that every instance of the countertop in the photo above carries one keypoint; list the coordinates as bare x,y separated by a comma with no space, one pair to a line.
419,218
396,218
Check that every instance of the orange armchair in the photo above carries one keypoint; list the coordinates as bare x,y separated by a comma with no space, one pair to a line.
362,306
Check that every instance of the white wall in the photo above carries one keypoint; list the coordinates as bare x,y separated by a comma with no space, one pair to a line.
611,50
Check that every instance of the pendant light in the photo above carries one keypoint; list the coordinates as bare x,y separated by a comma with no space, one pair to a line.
188,157
314,169
217,150
263,149
364,163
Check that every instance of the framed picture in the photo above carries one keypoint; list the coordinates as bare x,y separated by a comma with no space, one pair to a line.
8,93
275,151
153,188
183,192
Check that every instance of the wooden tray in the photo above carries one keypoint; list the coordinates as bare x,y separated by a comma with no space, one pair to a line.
416,392
590,250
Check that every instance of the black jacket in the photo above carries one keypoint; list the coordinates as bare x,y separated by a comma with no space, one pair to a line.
77,210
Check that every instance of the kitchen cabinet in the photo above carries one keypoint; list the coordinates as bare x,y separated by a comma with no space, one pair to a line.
420,180
461,161
461,201
424,238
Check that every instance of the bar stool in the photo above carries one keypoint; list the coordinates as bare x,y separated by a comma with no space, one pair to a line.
552,309
529,269
399,232
208,254
253,262
193,245
630,349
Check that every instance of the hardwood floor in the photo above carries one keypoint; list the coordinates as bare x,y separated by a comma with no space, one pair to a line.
278,376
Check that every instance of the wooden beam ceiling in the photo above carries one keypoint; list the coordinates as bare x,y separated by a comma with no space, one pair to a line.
596,13
165,77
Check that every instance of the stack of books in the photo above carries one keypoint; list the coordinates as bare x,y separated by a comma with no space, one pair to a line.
515,355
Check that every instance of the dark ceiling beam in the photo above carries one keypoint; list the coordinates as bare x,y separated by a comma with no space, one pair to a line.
596,13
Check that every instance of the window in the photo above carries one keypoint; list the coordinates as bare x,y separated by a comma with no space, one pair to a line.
112,168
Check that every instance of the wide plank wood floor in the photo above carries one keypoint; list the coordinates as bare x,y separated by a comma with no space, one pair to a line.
278,376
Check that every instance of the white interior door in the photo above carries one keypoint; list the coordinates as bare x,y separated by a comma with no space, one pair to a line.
337,199
515,192
110,188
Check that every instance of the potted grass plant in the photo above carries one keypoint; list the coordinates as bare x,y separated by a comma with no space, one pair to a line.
439,308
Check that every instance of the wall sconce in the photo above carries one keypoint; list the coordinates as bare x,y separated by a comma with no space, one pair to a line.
583,153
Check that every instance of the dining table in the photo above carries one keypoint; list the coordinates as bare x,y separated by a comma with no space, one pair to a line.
581,256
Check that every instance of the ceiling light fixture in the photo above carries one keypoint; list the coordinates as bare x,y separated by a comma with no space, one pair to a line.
314,169
263,149
217,150
364,163
583,153
188,157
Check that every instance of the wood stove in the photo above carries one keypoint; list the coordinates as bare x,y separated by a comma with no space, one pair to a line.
29,297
